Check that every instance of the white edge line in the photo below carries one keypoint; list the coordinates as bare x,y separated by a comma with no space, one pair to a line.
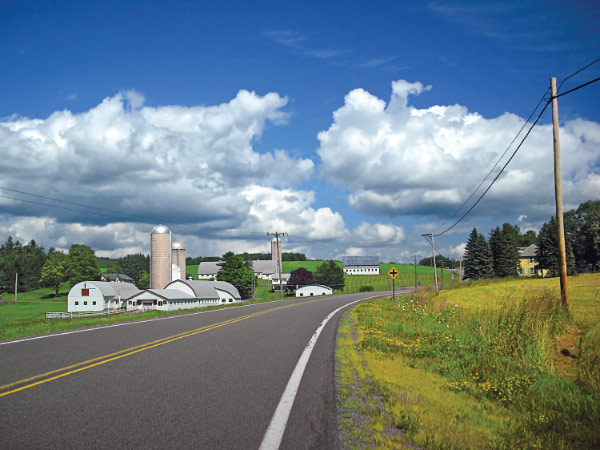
274,434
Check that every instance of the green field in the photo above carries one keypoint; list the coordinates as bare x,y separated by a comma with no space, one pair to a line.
480,366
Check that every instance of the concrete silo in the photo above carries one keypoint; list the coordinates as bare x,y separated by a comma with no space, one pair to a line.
275,251
160,257
178,258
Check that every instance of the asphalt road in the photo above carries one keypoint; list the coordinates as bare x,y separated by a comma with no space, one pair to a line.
208,380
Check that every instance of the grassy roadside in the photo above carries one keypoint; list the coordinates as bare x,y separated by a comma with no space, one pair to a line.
476,367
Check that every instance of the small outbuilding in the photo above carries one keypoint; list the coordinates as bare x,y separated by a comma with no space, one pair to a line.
313,290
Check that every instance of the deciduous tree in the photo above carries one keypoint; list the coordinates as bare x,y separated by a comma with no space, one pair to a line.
330,274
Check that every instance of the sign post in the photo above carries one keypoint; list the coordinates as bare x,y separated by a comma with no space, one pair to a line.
393,273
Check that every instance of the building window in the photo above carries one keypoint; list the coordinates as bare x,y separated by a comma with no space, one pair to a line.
94,302
85,303
76,303
85,292
531,260
159,303
532,271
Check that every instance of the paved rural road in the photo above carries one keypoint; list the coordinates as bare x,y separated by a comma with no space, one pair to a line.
206,380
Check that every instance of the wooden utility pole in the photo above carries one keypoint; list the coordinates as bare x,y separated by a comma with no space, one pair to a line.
564,288
16,282
277,234
415,256
430,235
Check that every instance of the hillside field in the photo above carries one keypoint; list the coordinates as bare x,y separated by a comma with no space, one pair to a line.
490,364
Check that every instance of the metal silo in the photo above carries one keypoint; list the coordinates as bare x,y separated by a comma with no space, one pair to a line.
178,258
160,257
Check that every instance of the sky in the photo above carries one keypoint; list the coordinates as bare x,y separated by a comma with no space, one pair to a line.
353,126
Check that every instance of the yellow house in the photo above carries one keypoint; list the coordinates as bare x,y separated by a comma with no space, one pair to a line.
528,265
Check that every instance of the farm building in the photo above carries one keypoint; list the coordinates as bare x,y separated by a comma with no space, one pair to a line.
361,265
313,290
263,269
99,295
208,270
117,277
187,294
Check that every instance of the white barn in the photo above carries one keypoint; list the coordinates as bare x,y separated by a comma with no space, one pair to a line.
313,290
99,295
361,265
185,294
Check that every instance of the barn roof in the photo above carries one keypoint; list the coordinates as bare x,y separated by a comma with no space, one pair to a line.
360,261
266,266
209,267
111,288
206,289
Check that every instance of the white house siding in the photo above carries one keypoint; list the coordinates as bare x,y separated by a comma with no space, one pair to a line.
313,290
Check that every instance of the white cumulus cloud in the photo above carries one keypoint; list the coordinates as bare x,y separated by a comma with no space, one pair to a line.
395,159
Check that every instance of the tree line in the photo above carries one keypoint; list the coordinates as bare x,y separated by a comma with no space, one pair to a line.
498,256
286,256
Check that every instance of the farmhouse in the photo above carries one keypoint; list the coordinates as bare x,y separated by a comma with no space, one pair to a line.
312,290
361,265
99,295
528,265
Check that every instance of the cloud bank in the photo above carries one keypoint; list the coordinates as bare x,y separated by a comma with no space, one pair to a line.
395,159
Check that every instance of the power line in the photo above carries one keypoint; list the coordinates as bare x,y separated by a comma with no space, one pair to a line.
513,155
576,72
497,162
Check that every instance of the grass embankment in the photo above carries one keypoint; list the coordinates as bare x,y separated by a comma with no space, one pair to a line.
477,367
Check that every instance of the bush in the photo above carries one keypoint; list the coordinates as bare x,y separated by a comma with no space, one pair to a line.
366,289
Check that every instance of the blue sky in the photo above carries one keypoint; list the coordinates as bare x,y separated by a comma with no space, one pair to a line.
354,126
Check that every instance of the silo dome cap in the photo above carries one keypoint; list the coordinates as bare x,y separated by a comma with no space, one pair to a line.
160,229
178,245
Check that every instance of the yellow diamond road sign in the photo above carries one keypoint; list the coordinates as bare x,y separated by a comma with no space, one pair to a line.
393,273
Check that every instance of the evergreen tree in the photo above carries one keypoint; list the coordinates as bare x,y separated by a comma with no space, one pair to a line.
503,245
83,264
527,239
56,269
234,271
586,243
548,254
330,274
135,265
478,257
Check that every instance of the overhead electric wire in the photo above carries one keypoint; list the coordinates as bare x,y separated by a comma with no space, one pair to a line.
79,204
517,149
497,162
575,73
498,175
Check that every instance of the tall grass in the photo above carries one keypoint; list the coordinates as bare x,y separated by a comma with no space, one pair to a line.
499,355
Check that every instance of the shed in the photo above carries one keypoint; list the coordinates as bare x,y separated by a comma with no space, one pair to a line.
313,290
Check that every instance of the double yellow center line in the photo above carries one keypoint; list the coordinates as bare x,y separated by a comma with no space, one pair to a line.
36,380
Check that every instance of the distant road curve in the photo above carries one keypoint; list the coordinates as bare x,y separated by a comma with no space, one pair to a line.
202,380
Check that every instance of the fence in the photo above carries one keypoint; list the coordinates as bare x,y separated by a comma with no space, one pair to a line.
70,315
